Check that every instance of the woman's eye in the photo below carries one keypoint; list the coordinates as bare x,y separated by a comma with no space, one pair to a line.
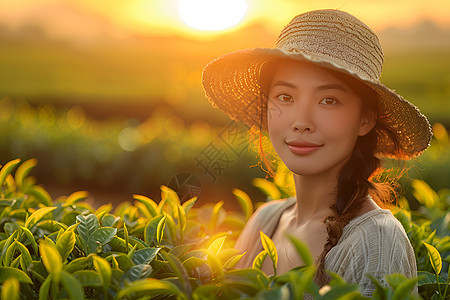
284,98
328,101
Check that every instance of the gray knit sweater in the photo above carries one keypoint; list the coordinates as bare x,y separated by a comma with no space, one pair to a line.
374,243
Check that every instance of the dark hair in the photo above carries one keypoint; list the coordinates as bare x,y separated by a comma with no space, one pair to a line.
355,181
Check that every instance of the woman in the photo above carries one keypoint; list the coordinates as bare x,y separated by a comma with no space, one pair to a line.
318,95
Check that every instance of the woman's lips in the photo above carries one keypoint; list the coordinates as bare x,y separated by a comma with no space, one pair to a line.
303,147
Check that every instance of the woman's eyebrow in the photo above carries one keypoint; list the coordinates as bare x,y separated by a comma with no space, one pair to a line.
332,86
284,83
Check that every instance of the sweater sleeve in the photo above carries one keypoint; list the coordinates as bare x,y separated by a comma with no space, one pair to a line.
378,246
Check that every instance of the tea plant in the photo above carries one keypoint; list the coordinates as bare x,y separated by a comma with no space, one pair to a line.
66,249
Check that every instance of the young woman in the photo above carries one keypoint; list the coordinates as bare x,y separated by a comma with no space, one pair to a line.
318,96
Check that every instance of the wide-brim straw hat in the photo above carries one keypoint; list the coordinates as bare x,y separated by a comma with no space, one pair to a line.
333,39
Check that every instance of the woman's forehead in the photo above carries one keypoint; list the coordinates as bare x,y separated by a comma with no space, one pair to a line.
299,73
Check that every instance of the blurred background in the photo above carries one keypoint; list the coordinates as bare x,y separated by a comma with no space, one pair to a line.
107,94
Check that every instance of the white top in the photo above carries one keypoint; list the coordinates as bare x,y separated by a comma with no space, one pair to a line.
374,243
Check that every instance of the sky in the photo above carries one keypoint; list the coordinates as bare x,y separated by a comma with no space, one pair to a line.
162,17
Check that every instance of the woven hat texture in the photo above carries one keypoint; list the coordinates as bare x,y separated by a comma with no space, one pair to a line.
334,39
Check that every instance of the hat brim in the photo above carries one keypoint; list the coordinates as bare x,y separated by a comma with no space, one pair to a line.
232,84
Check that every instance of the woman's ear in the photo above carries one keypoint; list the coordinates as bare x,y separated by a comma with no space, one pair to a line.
368,123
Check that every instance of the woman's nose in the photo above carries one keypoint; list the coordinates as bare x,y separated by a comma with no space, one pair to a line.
303,119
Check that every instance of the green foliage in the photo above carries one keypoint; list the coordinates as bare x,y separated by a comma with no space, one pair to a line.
66,249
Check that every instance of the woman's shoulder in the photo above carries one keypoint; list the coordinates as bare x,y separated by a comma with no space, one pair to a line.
273,207
374,243
375,235
377,222
267,214
373,230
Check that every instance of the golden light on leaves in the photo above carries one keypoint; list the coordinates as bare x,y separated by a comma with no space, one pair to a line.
212,14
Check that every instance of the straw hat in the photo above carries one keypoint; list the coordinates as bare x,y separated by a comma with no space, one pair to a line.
333,39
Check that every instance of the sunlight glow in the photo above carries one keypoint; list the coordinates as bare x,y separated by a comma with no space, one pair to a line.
212,14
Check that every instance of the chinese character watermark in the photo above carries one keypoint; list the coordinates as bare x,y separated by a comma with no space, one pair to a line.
213,160
186,185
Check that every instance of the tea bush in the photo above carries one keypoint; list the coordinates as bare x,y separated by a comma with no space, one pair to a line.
73,148
66,249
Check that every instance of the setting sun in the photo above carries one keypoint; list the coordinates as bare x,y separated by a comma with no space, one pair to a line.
212,14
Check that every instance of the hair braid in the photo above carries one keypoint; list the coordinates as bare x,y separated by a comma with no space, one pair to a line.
352,190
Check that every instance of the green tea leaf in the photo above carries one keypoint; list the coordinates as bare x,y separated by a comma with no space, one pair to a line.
278,293
6,247
395,280
181,219
232,261
103,210
7,169
51,259
45,288
302,250
38,270
435,258
125,235
137,272
160,230
86,226
88,278
75,198
124,261
7,272
30,238
145,256
100,237
23,170
104,269
216,245
65,244
349,291
37,216
150,230
132,251
26,256
259,260
244,202
179,270
193,263
267,188
404,288
424,194
110,221
11,289
9,254
72,286
77,264
189,204
215,265
404,218
170,195
269,246
41,195
151,206
380,290
149,287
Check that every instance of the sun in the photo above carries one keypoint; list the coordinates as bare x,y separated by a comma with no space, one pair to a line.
212,14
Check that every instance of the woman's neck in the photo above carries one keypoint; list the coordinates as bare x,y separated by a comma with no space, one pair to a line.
314,196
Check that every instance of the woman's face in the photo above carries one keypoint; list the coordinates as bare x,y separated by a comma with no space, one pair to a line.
314,118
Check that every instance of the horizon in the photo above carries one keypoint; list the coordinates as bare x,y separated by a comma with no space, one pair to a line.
84,20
